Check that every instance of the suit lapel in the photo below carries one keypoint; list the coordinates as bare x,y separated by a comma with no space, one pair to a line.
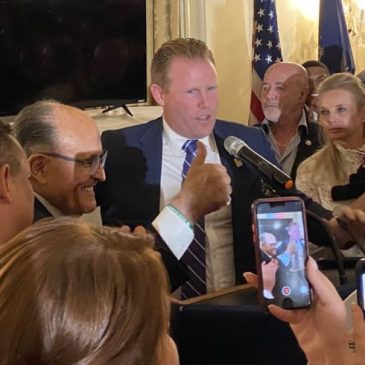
40,211
151,143
245,179
239,173
226,159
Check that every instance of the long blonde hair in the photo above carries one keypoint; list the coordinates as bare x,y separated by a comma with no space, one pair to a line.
72,293
329,158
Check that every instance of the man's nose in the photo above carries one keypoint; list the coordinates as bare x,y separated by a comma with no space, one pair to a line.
203,100
99,173
271,93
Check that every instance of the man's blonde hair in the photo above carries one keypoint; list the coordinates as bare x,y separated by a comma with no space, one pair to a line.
180,47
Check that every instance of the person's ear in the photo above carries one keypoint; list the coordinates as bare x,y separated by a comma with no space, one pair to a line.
38,167
303,95
158,94
5,193
362,112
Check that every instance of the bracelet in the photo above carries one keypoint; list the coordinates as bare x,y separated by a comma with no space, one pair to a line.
181,216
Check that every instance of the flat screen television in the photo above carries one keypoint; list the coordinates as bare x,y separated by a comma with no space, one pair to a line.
83,52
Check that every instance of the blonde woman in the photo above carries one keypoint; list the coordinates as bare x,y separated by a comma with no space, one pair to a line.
341,105
72,293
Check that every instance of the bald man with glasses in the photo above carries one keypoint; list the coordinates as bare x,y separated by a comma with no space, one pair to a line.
63,147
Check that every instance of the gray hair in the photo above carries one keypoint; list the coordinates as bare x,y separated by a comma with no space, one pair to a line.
263,238
9,150
33,126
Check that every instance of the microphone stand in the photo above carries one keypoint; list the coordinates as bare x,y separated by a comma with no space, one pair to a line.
268,190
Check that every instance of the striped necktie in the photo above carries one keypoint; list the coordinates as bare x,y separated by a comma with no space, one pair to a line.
194,257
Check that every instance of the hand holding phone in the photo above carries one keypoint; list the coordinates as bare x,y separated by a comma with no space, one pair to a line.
281,252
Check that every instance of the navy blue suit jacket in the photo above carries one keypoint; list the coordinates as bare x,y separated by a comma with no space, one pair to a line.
131,193
40,211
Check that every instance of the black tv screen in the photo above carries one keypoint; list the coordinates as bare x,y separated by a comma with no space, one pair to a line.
83,52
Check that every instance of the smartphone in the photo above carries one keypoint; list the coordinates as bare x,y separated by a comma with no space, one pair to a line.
360,283
281,247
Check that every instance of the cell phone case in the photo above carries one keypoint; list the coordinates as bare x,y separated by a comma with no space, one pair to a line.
281,252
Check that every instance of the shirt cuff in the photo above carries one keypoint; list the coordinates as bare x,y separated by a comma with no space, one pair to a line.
175,232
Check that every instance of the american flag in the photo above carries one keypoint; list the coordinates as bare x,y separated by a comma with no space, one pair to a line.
266,51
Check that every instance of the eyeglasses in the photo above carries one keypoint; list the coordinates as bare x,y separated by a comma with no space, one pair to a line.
92,163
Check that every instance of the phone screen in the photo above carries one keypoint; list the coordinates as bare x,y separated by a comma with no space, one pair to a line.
281,251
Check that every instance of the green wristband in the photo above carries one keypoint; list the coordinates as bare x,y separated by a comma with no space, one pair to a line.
181,216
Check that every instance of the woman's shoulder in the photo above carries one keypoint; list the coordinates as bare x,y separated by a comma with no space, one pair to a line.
309,164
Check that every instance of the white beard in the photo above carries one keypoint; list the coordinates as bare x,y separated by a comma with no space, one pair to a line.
272,114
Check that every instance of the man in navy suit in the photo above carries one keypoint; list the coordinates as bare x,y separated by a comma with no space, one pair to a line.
66,160
144,182
145,162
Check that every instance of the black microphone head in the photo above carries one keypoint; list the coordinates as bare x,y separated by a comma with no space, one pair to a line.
233,145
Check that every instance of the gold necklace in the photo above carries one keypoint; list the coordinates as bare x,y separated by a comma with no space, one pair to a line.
281,147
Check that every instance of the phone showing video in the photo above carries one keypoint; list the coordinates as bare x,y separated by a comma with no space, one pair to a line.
281,246
360,283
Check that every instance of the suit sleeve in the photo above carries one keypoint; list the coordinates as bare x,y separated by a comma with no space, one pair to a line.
176,270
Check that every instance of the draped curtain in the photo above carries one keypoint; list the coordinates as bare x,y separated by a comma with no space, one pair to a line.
163,24
165,21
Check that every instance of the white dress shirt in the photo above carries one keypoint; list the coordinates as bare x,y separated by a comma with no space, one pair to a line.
287,158
175,232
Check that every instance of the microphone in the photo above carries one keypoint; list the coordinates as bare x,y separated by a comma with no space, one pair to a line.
241,150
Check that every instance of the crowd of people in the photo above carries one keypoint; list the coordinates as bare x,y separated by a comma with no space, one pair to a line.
172,177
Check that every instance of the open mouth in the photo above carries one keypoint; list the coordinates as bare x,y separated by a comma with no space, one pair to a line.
335,130
204,118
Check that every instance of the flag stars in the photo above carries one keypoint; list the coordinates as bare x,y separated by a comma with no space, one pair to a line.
266,45
268,59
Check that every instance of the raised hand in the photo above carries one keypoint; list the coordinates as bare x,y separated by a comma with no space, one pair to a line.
321,329
205,189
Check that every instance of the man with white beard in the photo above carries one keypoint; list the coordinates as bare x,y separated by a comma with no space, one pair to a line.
283,95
